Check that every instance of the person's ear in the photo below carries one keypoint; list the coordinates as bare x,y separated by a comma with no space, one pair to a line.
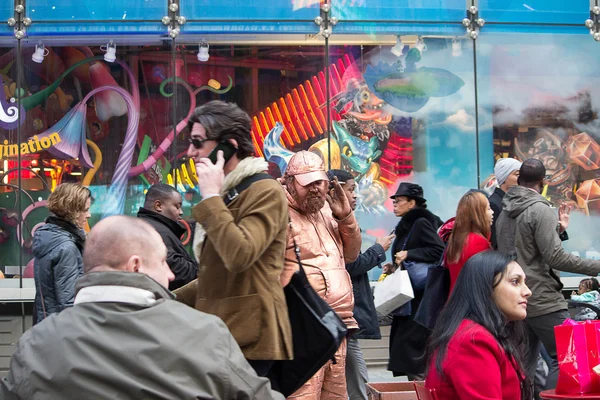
158,205
134,264
233,142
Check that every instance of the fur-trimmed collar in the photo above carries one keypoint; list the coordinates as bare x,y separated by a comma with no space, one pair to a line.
247,167
416,213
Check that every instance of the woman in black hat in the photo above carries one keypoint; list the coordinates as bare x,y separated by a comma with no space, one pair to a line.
416,240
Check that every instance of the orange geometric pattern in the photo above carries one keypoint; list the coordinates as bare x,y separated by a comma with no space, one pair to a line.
302,111
584,151
588,196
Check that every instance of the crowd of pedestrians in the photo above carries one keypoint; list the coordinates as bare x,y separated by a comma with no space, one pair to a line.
128,313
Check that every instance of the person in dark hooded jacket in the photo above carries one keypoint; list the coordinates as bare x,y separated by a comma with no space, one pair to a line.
416,240
57,247
162,210
529,226
364,307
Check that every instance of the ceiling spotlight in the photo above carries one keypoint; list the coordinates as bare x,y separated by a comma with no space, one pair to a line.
398,47
420,45
456,48
40,53
111,51
203,52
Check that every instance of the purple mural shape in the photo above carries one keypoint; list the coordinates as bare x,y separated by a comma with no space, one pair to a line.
11,113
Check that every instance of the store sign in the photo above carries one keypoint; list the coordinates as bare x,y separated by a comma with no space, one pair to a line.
33,145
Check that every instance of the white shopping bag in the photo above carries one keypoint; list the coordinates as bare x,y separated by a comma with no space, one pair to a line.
394,291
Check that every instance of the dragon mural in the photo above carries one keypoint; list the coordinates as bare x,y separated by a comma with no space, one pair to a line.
361,133
356,155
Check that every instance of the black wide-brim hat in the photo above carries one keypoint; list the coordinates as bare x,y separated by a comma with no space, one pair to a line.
410,190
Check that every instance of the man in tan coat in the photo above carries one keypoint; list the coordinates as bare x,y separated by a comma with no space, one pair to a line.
328,236
242,255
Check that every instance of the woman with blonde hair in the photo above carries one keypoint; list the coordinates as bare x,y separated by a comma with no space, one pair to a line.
58,247
471,233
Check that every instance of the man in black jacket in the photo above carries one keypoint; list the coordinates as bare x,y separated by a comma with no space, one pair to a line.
364,308
162,210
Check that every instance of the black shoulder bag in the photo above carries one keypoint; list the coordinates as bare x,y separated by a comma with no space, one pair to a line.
317,332
437,289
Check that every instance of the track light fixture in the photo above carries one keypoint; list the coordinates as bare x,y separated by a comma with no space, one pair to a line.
456,48
111,51
39,53
398,47
203,55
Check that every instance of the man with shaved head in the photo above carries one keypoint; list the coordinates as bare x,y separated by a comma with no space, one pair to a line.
126,337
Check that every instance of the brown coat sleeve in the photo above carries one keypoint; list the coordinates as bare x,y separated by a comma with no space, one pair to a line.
187,293
240,244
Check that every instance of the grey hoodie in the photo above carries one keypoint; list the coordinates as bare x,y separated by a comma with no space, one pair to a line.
529,225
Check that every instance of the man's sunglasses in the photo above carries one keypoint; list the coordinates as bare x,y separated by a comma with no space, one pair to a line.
198,143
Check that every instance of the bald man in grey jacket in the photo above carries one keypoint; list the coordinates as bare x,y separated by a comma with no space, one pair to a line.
126,337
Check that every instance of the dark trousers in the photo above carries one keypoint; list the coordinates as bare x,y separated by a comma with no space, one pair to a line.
262,367
541,331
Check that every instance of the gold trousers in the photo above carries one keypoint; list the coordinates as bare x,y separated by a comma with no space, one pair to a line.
329,383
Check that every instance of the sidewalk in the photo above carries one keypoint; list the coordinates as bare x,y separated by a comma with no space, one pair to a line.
380,374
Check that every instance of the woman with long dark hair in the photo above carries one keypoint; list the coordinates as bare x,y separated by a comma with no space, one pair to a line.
416,241
476,348
471,233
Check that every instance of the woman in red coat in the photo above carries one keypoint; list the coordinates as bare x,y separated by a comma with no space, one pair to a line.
471,233
476,348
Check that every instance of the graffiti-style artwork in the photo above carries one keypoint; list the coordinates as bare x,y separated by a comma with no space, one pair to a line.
549,149
357,139
553,134
369,138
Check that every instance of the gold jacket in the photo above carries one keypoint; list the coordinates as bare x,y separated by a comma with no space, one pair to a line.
326,245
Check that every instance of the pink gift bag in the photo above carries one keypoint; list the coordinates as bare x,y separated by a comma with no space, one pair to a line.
577,353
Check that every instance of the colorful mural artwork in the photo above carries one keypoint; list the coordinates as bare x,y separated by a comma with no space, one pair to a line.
363,140
392,118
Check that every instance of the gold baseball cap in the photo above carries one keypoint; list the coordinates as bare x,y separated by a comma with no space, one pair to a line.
306,168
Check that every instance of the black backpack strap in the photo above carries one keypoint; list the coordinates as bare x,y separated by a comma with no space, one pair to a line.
243,185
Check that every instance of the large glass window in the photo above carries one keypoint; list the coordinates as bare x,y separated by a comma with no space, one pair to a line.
83,119
403,110
390,93
282,87
547,110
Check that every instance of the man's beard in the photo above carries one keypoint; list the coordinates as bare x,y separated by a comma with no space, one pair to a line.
312,203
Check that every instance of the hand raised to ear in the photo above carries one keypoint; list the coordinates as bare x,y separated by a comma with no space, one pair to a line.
210,176
338,201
